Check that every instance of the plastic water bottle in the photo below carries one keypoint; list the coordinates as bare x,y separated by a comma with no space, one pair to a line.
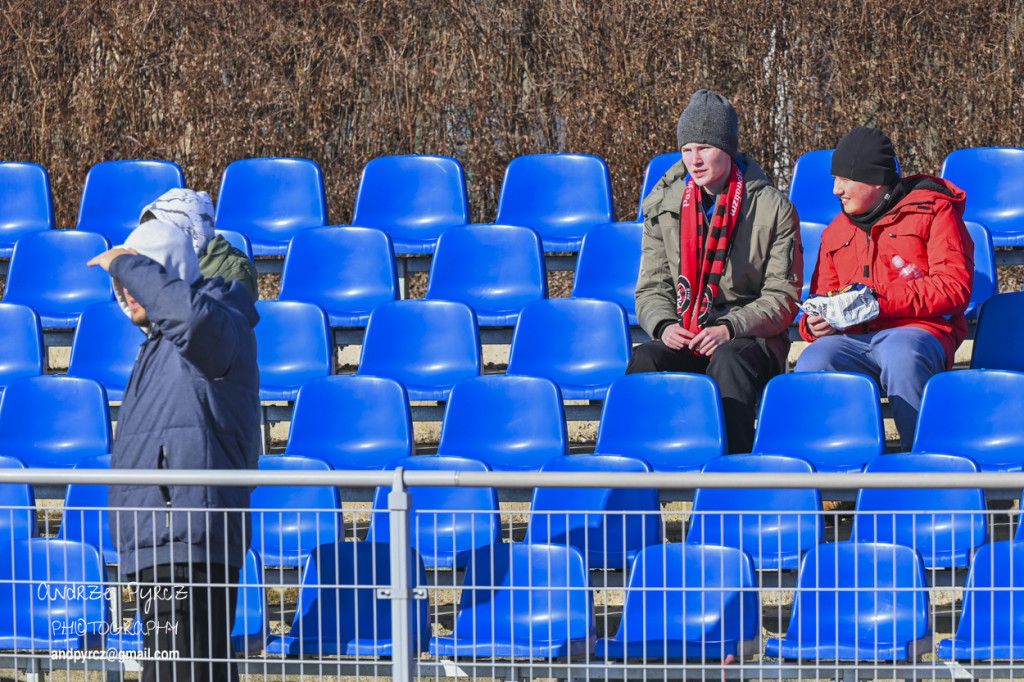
907,270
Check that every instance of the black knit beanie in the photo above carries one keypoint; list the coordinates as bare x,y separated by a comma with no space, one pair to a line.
866,155
710,119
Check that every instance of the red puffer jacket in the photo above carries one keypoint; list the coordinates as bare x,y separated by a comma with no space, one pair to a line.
925,228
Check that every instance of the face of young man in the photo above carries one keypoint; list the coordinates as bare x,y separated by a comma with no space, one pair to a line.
857,198
708,166
136,311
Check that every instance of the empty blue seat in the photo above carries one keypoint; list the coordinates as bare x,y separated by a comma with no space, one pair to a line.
54,421
494,269
1000,333
653,173
449,523
21,343
580,344
48,273
524,601
857,601
115,192
993,179
832,419
673,421
609,265
945,526
270,200
351,422
237,240
561,196
85,517
53,595
687,601
810,188
608,525
986,279
774,525
105,346
413,198
17,506
289,521
810,236
428,346
975,413
347,271
293,345
513,423
26,202
338,611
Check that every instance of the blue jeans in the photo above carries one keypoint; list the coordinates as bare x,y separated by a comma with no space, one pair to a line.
900,360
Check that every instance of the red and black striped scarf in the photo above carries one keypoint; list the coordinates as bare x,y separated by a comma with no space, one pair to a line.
702,259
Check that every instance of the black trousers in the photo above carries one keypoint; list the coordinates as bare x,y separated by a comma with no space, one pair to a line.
187,608
741,368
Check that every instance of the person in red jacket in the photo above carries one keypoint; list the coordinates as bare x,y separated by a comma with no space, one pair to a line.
905,239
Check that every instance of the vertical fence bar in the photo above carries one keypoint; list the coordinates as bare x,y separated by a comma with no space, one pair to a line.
400,518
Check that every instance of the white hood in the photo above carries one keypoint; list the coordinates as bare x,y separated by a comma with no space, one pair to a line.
189,211
166,244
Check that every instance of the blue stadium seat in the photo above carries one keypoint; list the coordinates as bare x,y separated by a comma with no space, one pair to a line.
609,526
1000,333
237,240
48,273
975,413
580,344
494,269
270,200
293,345
750,519
412,198
289,521
338,612
17,506
26,203
449,524
653,173
687,601
673,421
993,179
524,601
428,346
945,526
810,235
991,623
54,421
105,346
85,517
512,423
832,419
609,265
347,271
986,279
21,343
351,422
115,192
810,188
561,196
857,601
52,595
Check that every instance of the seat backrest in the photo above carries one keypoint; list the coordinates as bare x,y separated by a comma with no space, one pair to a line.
975,413
428,346
85,517
347,271
48,272
54,421
993,604
774,540
559,195
293,345
21,343
580,344
105,346
1000,332
351,422
514,423
655,170
993,179
494,269
115,192
986,279
810,188
609,265
26,201
413,198
673,421
269,200
17,506
810,236
833,419
249,632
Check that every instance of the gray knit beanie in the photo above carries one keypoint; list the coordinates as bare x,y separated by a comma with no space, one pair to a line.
709,118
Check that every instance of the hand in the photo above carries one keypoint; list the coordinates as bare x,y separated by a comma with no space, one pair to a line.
819,327
708,339
107,257
676,337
